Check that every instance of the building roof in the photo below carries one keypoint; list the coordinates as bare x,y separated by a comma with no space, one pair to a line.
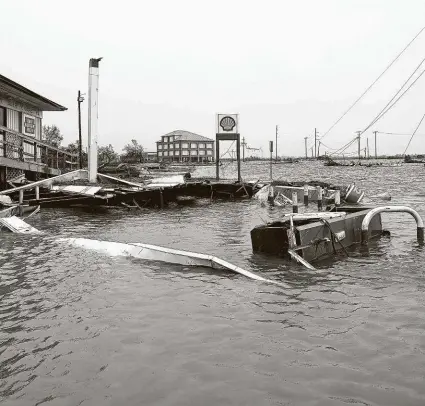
182,135
16,90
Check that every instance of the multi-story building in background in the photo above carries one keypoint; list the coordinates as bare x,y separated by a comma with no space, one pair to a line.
184,146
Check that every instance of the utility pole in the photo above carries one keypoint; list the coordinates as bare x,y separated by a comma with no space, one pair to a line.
312,152
367,146
276,140
80,99
305,146
358,143
243,149
271,160
315,143
318,150
376,149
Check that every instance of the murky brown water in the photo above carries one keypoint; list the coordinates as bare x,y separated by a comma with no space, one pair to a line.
81,328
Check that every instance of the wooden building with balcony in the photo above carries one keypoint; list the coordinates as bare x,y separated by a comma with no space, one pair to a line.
184,146
22,151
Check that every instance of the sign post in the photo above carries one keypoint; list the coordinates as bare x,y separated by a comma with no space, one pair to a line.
227,129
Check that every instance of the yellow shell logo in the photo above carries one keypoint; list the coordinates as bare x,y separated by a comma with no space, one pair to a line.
227,123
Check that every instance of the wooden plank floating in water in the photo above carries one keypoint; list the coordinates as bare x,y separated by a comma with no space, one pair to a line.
162,254
16,225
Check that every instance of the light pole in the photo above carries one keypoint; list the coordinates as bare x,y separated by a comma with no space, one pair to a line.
93,116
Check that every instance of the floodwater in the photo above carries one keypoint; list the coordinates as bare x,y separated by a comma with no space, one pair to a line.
82,328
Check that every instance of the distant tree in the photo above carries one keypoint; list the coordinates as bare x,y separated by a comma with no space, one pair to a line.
106,155
133,152
74,148
52,135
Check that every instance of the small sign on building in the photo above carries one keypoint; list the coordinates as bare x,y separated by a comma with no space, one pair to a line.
28,125
227,124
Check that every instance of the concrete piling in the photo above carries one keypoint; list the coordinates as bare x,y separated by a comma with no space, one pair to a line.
337,198
294,202
161,199
37,193
305,195
319,198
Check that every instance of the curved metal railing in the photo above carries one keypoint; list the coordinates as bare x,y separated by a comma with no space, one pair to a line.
390,209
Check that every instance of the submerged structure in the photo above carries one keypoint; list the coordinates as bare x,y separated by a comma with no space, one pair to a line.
315,236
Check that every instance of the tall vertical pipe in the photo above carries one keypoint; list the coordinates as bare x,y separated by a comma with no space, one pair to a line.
93,116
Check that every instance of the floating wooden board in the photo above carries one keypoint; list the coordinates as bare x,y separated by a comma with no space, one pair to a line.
80,190
301,260
16,225
313,216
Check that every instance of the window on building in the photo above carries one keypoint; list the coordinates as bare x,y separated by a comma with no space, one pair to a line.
164,139
170,146
209,145
171,139
185,152
159,146
185,145
159,153
209,152
165,146
177,145
193,145
201,152
166,153
201,145
193,152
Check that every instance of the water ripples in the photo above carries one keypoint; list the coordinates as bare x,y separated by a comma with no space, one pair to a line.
82,328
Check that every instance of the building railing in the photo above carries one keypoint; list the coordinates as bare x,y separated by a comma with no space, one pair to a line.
20,147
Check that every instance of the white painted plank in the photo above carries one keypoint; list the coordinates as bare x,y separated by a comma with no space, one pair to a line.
162,254
16,225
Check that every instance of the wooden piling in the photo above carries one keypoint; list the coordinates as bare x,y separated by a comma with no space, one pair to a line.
305,195
337,198
161,199
21,196
319,198
37,193
295,202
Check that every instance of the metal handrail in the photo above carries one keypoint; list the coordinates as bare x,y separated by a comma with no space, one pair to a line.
397,209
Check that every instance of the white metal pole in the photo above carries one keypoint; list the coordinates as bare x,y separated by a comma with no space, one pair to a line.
93,116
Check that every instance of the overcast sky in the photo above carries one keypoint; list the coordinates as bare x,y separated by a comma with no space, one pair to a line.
174,64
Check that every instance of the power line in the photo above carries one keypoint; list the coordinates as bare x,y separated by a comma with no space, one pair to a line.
414,132
388,107
343,148
332,149
231,145
382,113
382,132
373,83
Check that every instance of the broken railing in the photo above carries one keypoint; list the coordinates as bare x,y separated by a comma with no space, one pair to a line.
20,147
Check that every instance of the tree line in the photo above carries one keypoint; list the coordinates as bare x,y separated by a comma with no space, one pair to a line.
131,153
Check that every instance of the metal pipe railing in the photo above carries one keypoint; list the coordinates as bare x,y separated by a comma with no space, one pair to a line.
392,209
